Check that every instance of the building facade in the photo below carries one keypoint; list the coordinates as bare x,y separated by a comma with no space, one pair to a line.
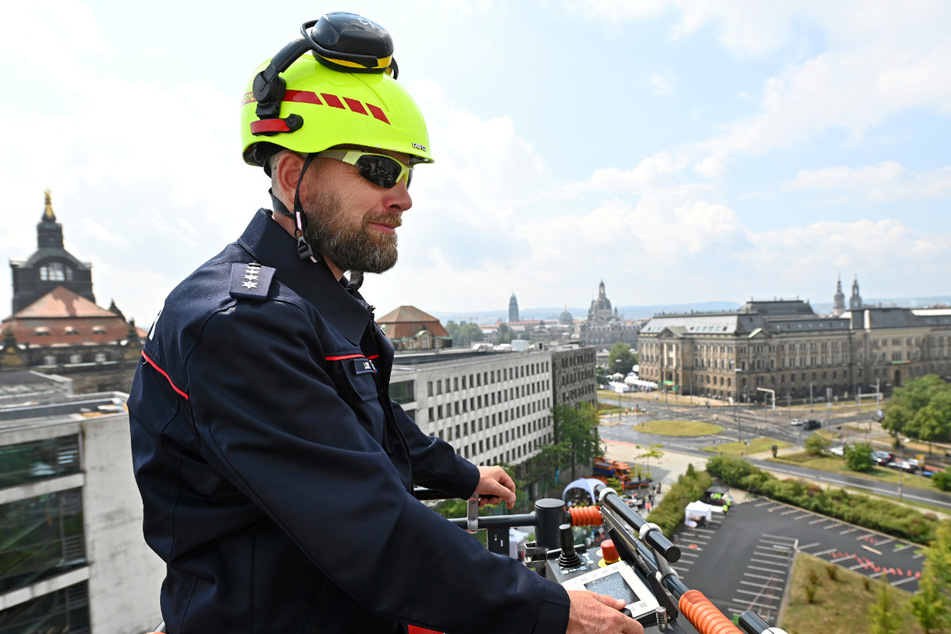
783,349
50,266
56,326
71,539
409,328
493,407
604,326
513,309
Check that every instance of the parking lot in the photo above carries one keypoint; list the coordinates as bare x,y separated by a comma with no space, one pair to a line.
743,560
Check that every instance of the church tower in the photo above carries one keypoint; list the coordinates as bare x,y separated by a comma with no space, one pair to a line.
855,302
50,266
838,300
513,309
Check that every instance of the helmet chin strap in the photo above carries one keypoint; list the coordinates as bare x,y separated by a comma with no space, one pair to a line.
304,250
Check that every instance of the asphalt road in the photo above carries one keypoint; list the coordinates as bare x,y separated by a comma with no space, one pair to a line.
753,424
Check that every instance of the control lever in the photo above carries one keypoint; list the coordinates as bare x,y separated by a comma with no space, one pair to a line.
566,539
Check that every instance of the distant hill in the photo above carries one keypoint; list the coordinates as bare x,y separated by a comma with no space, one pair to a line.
647,311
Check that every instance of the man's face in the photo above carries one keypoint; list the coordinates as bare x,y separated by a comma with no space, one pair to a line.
351,221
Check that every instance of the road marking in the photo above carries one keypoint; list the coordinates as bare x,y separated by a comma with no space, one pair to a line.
782,557
750,574
885,541
789,511
877,552
809,545
824,552
771,592
819,521
763,561
849,530
905,580
776,537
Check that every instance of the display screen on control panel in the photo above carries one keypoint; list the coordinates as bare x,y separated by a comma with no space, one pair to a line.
613,585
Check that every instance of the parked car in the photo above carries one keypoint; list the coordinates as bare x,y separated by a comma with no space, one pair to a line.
838,451
902,465
882,457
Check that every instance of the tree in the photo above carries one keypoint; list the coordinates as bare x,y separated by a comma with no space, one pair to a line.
621,358
906,411
817,444
859,457
576,430
652,451
886,613
931,605
505,334
464,334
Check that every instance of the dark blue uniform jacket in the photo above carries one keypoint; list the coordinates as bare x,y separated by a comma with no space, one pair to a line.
276,473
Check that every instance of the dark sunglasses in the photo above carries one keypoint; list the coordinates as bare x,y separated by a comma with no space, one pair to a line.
379,169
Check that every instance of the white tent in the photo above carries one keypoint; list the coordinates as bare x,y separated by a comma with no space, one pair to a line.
697,510
516,542
585,484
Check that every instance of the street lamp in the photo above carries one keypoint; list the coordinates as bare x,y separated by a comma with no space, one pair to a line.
736,386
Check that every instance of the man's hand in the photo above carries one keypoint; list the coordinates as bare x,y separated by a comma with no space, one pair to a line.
495,486
592,613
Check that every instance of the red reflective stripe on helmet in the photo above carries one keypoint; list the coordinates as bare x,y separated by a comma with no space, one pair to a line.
333,101
165,374
303,96
355,105
269,125
378,113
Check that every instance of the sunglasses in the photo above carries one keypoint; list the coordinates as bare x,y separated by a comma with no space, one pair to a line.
379,169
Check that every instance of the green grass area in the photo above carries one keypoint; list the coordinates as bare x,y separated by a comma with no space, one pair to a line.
677,428
839,606
835,464
756,445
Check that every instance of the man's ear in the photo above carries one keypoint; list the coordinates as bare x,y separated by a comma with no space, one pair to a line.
285,173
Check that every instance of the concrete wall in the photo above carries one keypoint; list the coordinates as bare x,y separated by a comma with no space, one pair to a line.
125,575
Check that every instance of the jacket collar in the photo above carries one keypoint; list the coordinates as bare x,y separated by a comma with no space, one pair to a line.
271,245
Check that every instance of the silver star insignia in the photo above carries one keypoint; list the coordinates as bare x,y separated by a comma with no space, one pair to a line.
250,284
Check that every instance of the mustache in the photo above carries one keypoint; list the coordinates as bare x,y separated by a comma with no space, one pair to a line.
391,219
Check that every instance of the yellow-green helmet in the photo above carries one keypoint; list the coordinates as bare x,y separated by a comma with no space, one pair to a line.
333,87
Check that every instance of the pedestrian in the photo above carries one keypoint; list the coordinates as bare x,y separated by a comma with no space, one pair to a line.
276,473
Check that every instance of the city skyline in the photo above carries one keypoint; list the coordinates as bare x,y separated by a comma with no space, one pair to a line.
681,153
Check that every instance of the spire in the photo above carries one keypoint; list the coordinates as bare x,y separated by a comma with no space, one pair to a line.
838,300
48,215
49,233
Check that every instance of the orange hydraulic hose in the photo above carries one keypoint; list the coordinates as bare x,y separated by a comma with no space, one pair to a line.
705,616
585,516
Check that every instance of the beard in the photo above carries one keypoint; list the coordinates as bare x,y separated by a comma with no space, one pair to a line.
350,248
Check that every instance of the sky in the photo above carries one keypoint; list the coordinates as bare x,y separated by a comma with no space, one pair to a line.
679,151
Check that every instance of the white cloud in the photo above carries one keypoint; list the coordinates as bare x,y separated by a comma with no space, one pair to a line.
887,181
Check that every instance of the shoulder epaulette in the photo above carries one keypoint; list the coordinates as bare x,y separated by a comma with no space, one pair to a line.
250,280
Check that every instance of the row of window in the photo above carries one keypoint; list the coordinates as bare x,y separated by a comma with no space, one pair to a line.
488,421
56,272
38,459
75,357
487,377
512,456
476,403
42,537
44,331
